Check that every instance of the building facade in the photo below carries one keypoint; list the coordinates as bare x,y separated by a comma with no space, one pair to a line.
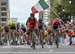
4,12
45,15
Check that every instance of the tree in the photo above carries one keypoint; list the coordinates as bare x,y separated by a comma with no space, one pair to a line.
59,5
55,8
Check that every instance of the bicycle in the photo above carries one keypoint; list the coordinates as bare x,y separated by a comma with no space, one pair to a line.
41,37
56,38
33,40
14,38
1,37
1,41
50,39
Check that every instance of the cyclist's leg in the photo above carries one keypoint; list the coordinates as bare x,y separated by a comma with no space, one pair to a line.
57,39
42,41
1,43
70,40
33,39
54,34
29,38
50,38
22,38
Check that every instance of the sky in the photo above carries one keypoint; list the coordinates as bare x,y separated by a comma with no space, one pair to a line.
21,9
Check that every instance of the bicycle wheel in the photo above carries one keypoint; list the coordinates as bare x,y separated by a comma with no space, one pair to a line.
33,45
57,42
41,40
42,44
33,41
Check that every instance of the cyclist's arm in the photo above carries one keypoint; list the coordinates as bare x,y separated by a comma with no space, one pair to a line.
36,26
27,24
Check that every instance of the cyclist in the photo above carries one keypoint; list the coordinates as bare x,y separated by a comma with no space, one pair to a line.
1,31
56,24
41,31
31,25
23,31
7,33
13,31
50,35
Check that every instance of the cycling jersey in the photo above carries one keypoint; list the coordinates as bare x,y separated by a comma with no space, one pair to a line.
40,25
23,29
32,23
56,23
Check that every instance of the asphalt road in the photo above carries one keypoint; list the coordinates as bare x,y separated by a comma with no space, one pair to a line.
39,50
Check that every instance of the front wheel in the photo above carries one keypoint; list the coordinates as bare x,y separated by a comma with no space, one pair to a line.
33,41
33,45
42,44
57,43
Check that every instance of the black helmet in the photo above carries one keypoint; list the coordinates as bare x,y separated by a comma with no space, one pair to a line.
32,14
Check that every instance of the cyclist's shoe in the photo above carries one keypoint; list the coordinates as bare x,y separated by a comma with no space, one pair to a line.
44,43
31,46
42,46
28,43
1,43
70,43
22,43
50,43
37,43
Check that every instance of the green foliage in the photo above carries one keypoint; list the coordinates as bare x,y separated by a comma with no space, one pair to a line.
55,8
59,5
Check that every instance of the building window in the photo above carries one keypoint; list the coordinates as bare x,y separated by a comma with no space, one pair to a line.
3,24
4,14
3,9
3,19
3,3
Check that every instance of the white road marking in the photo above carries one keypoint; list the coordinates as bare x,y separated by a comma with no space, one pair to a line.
41,52
26,46
14,46
51,50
